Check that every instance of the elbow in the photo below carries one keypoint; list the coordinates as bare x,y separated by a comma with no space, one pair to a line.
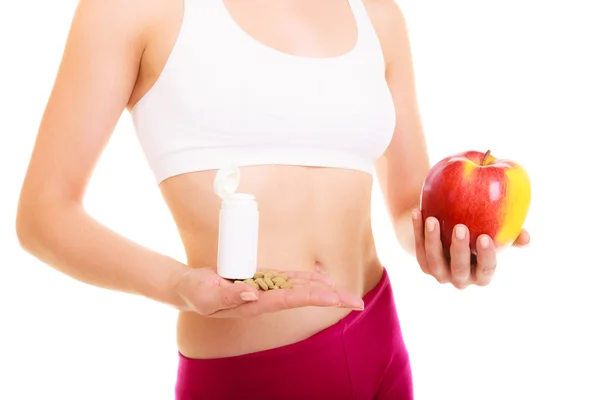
34,224
27,228
41,217
41,224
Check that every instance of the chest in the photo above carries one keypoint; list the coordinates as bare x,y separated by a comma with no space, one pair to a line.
266,100
308,28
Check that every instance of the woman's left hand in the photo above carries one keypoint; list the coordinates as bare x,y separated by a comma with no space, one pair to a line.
458,266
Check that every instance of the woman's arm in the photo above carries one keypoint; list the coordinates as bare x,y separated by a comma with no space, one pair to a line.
93,86
403,167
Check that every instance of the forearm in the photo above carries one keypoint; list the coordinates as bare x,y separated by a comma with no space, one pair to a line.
71,241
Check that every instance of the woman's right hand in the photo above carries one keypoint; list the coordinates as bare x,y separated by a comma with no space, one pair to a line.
206,293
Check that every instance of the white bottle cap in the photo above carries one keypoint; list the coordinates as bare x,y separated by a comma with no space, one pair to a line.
227,181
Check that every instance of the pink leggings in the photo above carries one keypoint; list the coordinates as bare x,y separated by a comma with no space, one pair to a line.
362,357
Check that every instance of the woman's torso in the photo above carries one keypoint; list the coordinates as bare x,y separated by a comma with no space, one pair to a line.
309,216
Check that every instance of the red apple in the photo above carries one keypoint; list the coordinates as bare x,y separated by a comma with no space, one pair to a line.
490,196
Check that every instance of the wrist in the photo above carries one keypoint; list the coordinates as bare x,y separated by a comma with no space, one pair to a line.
175,283
404,231
162,283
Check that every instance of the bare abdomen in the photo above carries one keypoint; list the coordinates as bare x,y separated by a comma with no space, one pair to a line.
309,217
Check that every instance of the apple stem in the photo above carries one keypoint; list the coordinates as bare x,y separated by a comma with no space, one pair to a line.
485,157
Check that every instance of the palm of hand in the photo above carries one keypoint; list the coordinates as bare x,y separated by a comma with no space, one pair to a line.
210,295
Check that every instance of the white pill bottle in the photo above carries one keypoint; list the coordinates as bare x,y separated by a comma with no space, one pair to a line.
238,227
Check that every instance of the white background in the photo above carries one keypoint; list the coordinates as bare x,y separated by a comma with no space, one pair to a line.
519,77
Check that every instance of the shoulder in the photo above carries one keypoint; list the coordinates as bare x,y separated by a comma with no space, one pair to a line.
130,19
385,14
389,23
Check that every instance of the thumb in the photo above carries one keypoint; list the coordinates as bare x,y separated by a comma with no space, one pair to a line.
522,240
233,295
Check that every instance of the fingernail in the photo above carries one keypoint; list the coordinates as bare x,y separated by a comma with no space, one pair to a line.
430,225
415,215
358,305
484,242
248,296
460,232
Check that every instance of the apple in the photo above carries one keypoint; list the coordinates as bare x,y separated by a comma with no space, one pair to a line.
489,195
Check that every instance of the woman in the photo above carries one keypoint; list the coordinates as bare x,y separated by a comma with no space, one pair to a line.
306,97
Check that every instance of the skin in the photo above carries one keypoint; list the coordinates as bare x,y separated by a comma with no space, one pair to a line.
115,51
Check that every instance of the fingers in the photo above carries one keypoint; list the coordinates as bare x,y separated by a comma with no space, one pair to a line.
311,294
432,259
434,252
523,239
460,257
486,260
419,234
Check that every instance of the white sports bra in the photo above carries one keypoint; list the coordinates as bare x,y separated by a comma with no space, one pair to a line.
223,98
